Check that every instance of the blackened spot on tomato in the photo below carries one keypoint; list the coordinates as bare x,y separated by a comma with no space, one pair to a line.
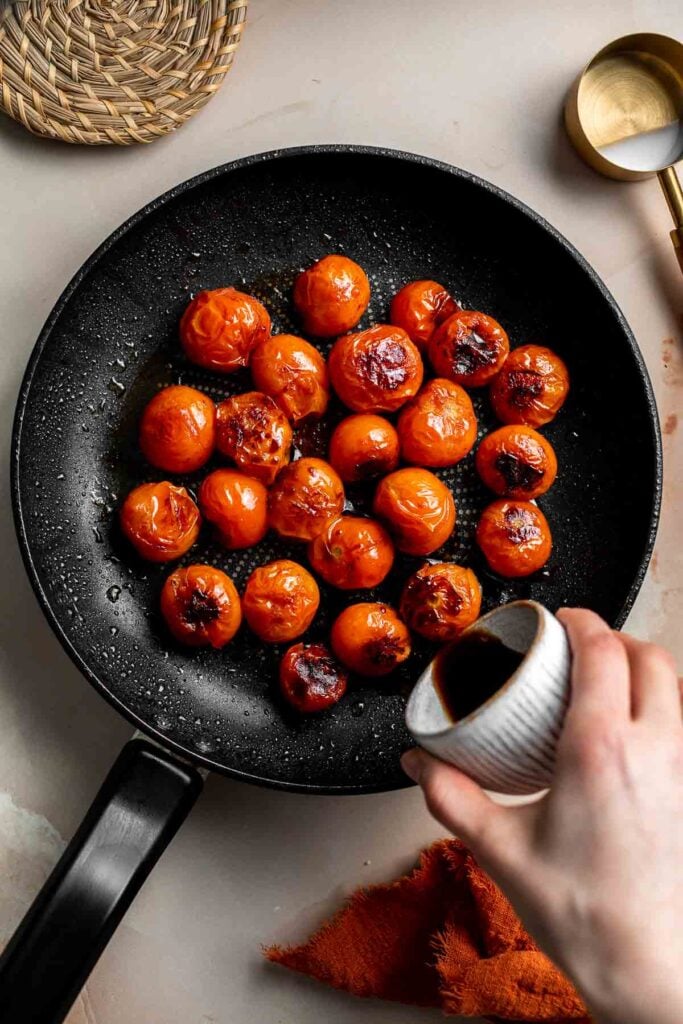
517,473
200,609
431,600
524,387
472,353
384,364
521,525
385,651
316,671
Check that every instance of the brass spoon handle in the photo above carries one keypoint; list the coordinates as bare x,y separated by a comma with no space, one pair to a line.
671,188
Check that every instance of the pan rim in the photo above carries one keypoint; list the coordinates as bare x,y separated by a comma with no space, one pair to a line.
240,163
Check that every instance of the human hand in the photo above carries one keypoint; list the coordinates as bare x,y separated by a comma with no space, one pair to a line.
595,868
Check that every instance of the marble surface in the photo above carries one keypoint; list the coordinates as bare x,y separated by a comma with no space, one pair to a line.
479,85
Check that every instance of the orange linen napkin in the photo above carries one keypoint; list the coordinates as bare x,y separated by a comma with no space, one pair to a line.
444,936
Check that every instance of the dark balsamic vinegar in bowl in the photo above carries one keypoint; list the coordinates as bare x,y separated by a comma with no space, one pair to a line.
471,671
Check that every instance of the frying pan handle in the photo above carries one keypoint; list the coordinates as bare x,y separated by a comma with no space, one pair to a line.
142,803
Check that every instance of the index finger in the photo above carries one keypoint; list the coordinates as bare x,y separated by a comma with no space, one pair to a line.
600,689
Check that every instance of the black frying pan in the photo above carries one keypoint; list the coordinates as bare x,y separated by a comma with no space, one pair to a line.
111,341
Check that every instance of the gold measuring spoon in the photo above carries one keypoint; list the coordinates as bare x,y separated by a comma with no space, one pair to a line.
624,115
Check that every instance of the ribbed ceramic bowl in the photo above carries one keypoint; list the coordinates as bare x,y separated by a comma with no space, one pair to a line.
508,743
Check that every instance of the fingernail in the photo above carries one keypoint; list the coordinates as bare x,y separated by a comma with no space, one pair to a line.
411,763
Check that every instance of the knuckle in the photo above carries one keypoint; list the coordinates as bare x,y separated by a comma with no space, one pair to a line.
658,657
596,746
603,644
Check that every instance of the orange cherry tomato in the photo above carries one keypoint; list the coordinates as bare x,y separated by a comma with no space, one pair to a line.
178,429
377,370
370,639
514,537
161,521
419,308
418,509
305,496
201,606
311,678
363,447
293,373
331,296
531,387
469,348
516,462
439,601
352,553
254,432
280,601
236,505
438,427
220,328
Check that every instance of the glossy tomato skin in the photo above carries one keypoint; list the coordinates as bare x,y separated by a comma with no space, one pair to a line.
441,600
331,296
468,348
370,639
280,601
201,606
514,537
363,447
220,328
178,429
531,387
305,496
236,505
160,520
253,431
293,373
419,308
376,370
439,426
311,678
516,462
417,508
352,553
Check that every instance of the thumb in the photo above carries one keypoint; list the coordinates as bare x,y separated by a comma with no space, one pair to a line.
453,798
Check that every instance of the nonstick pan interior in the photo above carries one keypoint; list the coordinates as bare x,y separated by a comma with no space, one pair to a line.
111,342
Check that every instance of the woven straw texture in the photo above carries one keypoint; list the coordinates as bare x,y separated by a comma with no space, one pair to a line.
114,71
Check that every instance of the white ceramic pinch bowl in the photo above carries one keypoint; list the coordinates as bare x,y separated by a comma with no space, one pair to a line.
507,744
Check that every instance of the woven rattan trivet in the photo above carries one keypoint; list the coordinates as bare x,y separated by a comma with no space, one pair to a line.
114,71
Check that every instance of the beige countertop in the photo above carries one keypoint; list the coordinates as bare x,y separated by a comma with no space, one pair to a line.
479,85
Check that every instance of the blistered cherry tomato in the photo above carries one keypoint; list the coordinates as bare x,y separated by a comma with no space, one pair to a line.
377,370
236,505
160,520
220,328
419,308
469,348
311,678
438,427
280,601
516,462
418,509
255,433
441,600
201,606
352,553
514,537
305,496
531,387
370,639
331,296
293,373
178,429
363,447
